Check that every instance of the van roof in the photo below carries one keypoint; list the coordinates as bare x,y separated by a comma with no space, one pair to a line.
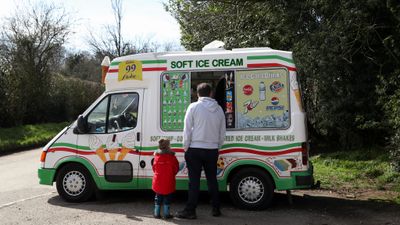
146,66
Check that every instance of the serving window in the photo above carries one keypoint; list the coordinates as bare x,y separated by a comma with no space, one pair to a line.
251,99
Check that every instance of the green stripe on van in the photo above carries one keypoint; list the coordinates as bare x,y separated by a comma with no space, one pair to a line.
160,61
61,144
153,148
269,57
225,146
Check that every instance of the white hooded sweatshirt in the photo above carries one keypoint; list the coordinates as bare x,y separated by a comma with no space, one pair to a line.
204,125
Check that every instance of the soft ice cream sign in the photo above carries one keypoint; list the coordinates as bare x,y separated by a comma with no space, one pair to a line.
206,63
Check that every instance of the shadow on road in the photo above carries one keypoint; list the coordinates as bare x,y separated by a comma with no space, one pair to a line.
136,204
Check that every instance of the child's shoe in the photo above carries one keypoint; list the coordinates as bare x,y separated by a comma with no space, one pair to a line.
157,212
166,212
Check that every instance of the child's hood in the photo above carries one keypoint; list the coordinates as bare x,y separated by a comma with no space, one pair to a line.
162,152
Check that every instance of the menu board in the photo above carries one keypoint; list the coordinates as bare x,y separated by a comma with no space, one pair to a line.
175,98
262,98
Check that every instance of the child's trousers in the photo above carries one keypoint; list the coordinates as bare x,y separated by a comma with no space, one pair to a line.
166,201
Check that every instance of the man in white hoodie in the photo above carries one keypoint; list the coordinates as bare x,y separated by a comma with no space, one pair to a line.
203,136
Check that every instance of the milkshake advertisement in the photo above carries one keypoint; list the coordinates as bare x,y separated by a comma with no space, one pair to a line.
175,98
262,99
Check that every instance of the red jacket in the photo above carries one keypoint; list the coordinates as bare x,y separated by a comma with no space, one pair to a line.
165,167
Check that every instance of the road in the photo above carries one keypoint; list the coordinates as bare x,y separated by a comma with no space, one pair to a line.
24,201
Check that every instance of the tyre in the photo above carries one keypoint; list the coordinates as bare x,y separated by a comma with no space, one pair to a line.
74,183
251,189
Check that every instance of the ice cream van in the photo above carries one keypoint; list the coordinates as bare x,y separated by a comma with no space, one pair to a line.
111,145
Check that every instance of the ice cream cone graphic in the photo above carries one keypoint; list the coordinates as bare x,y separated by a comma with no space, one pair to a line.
95,143
101,154
105,64
112,146
128,143
112,153
298,97
123,153
295,87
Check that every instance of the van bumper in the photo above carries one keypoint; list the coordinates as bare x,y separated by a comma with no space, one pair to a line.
303,180
297,180
46,176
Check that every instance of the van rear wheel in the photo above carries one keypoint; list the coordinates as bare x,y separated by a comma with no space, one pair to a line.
251,189
74,183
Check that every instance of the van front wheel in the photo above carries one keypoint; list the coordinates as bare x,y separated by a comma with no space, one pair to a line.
251,189
74,183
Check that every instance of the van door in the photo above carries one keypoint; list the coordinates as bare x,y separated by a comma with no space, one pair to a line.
114,135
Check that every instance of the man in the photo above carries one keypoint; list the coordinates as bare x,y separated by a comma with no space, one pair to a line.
203,135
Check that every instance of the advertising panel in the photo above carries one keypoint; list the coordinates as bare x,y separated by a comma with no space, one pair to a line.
262,98
175,98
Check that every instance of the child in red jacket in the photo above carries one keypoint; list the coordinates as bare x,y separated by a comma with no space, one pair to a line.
165,167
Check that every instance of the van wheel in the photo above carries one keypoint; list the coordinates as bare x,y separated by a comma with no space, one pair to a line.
74,183
251,189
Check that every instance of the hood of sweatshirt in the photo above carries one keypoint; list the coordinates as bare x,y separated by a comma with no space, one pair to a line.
209,103
161,152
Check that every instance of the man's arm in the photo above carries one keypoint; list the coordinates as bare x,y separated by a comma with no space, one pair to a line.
222,130
187,128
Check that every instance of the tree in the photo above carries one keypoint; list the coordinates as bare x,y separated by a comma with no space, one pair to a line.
82,65
32,40
340,50
113,44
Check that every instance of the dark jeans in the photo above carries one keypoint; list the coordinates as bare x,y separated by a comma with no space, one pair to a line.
162,199
196,159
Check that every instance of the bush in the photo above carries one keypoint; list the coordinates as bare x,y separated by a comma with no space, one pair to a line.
69,97
28,135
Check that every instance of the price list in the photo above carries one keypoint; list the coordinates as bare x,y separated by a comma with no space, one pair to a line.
175,98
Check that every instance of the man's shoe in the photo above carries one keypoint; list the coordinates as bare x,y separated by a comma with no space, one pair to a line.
168,216
216,212
185,214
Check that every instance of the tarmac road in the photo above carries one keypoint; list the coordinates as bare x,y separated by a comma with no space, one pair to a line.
24,201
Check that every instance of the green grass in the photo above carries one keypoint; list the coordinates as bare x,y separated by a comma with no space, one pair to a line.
352,170
26,136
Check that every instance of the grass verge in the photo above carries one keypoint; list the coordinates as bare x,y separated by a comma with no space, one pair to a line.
356,170
27,136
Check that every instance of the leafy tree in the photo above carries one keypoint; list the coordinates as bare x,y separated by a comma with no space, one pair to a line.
31,40
341,50
82,65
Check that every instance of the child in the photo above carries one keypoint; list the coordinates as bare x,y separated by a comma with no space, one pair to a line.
165,167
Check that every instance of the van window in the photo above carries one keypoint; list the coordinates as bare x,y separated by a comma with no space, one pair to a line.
222,83
97,118
123,112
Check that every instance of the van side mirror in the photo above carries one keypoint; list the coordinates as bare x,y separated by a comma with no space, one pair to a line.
82,126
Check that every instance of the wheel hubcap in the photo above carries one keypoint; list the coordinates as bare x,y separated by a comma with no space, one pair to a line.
74,183
251,190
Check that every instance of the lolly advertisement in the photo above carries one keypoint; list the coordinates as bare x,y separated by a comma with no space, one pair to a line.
262,98
175,98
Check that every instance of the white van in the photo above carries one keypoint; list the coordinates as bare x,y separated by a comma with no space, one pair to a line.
111,145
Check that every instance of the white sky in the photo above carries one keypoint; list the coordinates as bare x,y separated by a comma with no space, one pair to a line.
145,19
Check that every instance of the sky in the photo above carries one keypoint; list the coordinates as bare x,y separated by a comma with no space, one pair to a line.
142,19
